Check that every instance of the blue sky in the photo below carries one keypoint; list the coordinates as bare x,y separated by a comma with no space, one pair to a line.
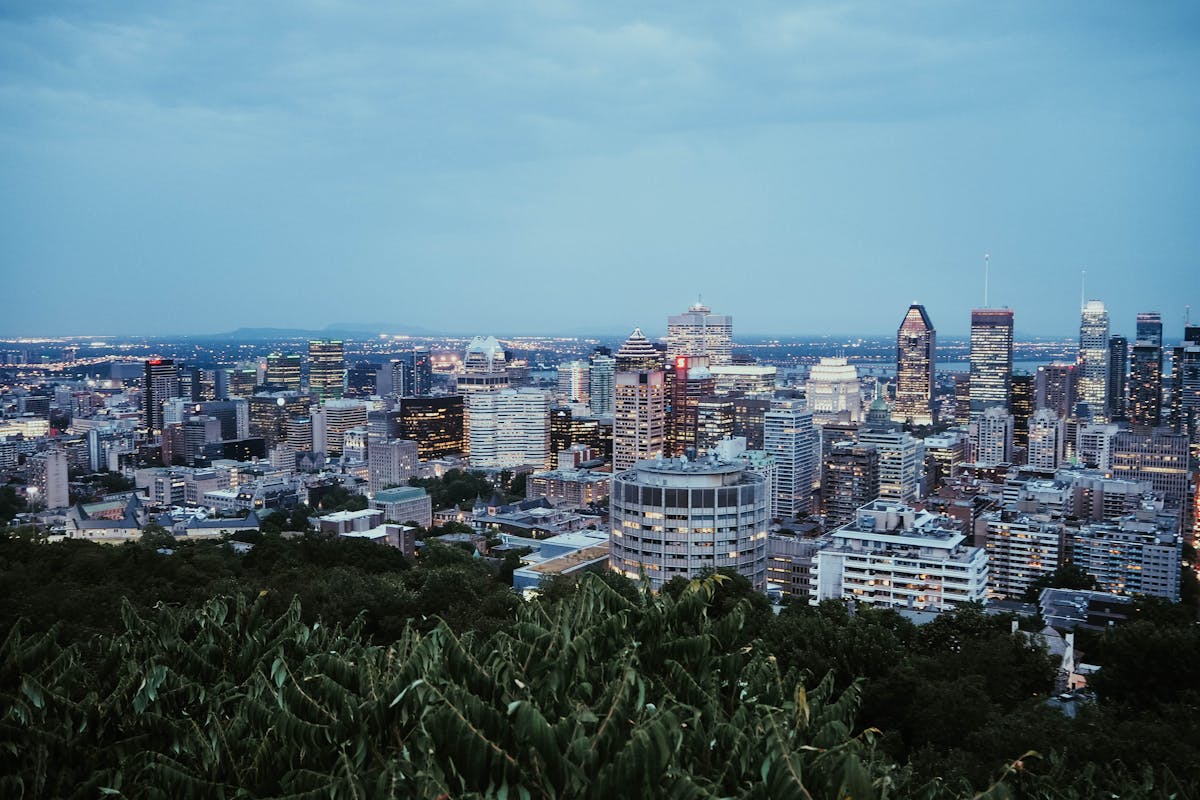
178,167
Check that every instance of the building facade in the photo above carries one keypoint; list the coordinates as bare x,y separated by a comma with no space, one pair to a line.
699,332
916,343
991,358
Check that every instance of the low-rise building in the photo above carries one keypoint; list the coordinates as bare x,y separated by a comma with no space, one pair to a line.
1137,554
1021,548
895,556
405,504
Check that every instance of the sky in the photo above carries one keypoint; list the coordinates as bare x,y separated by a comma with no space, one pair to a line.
545,166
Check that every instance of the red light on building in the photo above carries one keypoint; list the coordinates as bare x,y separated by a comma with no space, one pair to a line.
154,362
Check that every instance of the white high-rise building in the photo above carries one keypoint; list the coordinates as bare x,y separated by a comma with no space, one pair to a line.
639,417
789,436
1047,440
332,420
993,434
510,428
699,332
50,476
1094,445
1021,548
1093,359
391,462
832,390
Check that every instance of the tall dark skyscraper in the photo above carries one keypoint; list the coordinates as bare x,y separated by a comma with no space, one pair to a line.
916,342
326,368
1185,383
1145,372
421,373
1022,408
1118,377
161,383
991,358
283,371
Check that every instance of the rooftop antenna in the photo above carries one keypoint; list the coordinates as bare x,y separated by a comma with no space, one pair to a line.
1082,289
1187,315
987,262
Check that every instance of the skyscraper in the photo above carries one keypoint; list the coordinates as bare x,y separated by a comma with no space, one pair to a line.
1022,407
993,431
600,382
1118,377
699,332
991,358
510,428
639,417
1145,372
1054,387
161,383
283,371
832,390
421,373
789,435
688,381
916,341
574,381
849,480
434,423
1047,440
326,368
638,353
1093,358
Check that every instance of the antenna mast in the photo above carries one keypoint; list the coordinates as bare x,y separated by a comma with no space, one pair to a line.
1082,289
987,261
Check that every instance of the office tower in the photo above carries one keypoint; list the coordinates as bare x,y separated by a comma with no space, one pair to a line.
1093,444
1185,384
1021,548
688,381
360,379
1022,408
391,462
1047,440
270,412
561,429
284,372
1136,554
161,383
600,382
937,572
1054,387
393,378
849,480
916,341
326,368
638,353
197,384
745,379
1118,377
298,434
184,442
574,382
943,453
714,423
49,471
639,417
749,417
962,399
421,373
242,382
1157,456
901,455
991,358
337,417
993,437
510,428
789,435
434,423
688,497
832,390
1146,373
1093,359
699,332
484,367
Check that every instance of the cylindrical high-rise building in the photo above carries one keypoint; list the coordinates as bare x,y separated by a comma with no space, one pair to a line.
674,518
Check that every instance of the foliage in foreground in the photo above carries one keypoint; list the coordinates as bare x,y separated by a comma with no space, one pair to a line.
596,696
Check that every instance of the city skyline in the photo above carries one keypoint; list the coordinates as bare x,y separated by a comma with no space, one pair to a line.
333,162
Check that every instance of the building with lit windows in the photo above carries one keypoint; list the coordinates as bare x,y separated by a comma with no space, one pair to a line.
1146,372
714,422
901,455
993,430
1021,548
602,368
991,358
284,372
1118,377
1093,359
161,384
510,428
391,462
748,379
638,353
1157,456
789,436
1054,387
895,556
326,368
639,417
1047,440
832,390
916,341
688,382
574,382
675,518
434,423
849,481
699,332
270,412
1137,554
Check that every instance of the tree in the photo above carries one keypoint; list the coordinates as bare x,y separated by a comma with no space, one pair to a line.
11,503
1067,576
